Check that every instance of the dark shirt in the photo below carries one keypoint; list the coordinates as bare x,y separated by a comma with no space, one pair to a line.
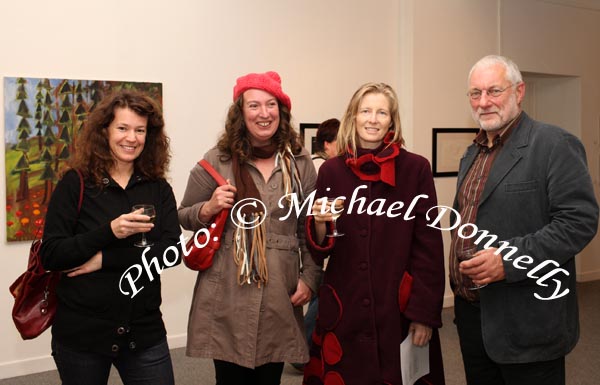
93,314
469,194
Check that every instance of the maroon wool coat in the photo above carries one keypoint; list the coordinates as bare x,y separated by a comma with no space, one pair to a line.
360,325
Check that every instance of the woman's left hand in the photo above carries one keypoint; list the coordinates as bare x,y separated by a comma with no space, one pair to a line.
421,333
302,295
93,264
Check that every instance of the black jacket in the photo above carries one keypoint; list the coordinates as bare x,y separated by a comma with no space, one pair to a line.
540,199
93,313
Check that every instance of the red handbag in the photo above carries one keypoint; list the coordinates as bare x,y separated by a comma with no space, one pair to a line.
35,290
203,245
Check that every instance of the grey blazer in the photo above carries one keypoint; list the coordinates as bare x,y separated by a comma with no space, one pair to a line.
539,198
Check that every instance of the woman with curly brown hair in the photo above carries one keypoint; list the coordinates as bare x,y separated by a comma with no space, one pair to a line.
247,308
108,306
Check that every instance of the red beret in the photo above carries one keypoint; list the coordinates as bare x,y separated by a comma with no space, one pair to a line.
269,82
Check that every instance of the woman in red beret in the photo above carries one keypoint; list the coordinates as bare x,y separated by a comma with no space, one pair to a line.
246,311
385,275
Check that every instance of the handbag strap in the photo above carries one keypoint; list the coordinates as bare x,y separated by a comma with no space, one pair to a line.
214,173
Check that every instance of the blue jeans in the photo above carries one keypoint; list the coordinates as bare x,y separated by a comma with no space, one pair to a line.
310,319
147,367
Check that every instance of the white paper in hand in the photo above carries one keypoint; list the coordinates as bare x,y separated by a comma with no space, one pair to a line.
414,361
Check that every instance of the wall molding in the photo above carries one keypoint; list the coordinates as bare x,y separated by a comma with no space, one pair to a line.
593,5
588,276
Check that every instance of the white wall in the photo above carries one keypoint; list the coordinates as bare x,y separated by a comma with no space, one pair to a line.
323,51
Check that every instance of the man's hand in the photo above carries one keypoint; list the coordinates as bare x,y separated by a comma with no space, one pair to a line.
484,268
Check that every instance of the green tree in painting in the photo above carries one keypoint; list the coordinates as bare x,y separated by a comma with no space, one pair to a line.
65,122
39,114
23,132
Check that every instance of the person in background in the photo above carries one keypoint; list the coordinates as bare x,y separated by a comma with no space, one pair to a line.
123,155
326,142
385,276
527,183
246,311
326,147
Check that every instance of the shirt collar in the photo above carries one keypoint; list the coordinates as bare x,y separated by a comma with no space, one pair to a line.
482,141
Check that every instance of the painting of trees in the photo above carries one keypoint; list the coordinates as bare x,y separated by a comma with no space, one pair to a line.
42,119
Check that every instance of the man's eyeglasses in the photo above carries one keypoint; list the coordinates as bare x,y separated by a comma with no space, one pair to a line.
493,92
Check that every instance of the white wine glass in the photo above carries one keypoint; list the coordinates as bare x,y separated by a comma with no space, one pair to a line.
467,254
336,212
151,212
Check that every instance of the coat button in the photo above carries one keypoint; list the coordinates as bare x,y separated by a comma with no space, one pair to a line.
366,302
132,345
115,348
120,330
363,266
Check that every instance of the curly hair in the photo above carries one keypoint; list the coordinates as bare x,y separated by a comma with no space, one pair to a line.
93,156
347,136
235,138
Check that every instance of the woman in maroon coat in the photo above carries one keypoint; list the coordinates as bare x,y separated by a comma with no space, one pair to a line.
385,275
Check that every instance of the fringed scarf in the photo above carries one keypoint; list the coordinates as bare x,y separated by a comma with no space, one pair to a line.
249,249
377,164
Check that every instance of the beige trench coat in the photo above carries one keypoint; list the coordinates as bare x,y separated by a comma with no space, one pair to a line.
247,325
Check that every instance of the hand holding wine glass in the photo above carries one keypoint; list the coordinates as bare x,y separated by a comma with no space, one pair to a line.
331,208
467,254
149,211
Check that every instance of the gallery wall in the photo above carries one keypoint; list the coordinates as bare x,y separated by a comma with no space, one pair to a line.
323,51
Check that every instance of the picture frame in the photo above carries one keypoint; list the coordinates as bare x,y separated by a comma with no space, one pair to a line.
448,146
308,134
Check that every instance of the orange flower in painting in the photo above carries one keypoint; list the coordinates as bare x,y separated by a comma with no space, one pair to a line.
24,221
36,212
35,205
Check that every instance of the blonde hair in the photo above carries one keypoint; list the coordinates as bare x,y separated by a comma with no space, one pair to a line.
347,137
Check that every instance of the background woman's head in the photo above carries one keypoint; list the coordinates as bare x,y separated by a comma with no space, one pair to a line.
364,121
260,115
93,154
327,137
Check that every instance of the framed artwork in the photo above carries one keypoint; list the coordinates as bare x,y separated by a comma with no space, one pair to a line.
42,118
308,133
449,144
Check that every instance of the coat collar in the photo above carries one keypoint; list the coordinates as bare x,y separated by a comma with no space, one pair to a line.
136,178
510,154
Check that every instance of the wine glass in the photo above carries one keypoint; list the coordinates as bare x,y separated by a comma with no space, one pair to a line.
151,212
336,211
467,254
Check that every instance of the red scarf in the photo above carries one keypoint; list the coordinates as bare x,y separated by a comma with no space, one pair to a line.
377,164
